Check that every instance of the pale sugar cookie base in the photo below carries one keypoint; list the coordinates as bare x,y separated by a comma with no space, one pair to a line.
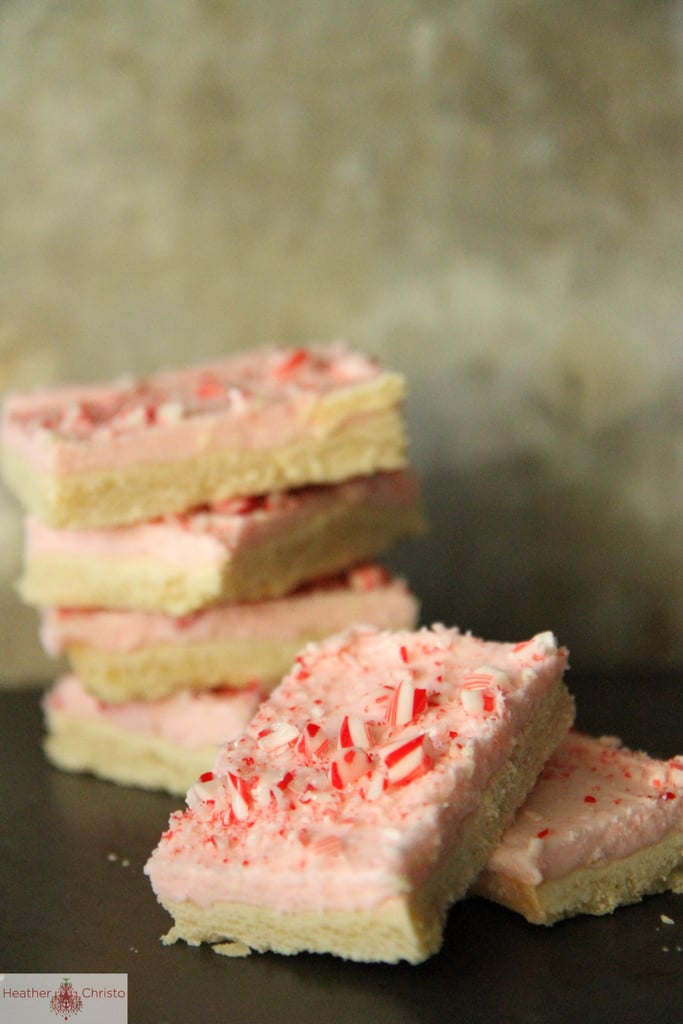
409,926
140,584
323,544
366,442
123,756
598,889
164,669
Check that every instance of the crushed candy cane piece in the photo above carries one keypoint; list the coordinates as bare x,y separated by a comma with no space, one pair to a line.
312,742
375,785
348,765
477,697
202,790
240,797
407,759
170,412
537,647
488,675
330,845
209,386
279,735
407,702
135,418
354,732
291,362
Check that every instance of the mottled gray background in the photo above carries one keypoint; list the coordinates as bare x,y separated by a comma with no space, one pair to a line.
487,195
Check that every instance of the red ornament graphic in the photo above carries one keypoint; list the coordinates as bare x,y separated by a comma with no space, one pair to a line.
66,1002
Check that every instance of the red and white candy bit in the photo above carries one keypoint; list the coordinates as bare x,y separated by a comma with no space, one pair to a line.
170,412
78,418
312,742
354,732
240,796
266,788
407,759
205,788
278,735
277,796
368,577
330,846
291,362
537,648
209,386
488,675
135,417
375,785
348,765
407,702
478,697
285,781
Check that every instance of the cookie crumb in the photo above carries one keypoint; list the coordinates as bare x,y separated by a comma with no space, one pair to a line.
231,949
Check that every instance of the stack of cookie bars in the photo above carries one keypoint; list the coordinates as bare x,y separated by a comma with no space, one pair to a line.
188,533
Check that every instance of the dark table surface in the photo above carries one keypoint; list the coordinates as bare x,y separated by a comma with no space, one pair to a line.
74,899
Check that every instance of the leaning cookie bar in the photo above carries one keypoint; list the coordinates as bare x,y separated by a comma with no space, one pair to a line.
127,655
244,549
365,796
603,827
260,421
163,744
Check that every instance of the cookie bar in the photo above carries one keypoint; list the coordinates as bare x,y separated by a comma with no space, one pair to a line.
244,549
126,655
269,419
365,796
163,744
603,827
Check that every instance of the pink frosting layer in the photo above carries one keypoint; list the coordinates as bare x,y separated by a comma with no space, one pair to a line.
356,770
187,719
363,594
212,535
251,400
595,801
